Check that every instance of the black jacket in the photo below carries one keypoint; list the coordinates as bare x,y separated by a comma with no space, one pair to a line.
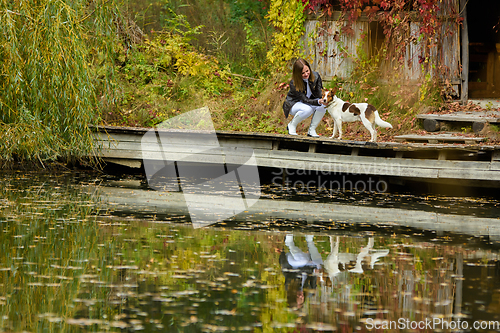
295,96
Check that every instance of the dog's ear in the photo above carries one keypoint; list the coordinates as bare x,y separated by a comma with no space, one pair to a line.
334,91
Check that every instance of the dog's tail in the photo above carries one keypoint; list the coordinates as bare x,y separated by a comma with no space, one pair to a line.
380,122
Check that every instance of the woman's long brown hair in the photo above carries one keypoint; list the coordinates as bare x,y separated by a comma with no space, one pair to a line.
298,66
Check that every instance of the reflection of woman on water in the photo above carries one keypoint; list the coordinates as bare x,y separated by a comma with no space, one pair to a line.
298,268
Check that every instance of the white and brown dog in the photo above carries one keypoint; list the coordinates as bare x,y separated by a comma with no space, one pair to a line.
343,111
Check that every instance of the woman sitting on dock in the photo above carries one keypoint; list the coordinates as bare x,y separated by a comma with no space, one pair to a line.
304,98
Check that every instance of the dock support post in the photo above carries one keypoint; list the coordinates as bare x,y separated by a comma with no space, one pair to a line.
285,179
495,156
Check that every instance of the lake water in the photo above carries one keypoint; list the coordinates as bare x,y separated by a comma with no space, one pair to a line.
89,252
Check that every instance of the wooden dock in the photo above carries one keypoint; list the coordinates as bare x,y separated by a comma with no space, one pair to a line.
466,164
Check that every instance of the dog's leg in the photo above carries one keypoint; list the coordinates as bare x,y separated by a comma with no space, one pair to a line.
371,128
339,128
334,123
334,129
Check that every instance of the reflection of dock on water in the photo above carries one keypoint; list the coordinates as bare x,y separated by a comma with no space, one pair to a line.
461,164
130,199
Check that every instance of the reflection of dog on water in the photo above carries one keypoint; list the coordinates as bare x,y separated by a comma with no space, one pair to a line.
337,262
301,269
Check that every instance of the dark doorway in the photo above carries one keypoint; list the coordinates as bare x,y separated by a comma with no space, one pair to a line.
483,19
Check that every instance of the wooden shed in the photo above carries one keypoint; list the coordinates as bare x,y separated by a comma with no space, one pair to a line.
465,55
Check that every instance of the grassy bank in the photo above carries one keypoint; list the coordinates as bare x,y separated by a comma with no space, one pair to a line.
166,75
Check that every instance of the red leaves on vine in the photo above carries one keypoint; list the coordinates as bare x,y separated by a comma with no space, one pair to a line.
385,5
371,10
315,5
428,12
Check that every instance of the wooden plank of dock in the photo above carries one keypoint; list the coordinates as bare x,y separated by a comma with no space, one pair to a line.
465,116
437,138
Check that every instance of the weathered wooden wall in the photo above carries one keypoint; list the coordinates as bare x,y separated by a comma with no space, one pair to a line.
329,57
336,57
